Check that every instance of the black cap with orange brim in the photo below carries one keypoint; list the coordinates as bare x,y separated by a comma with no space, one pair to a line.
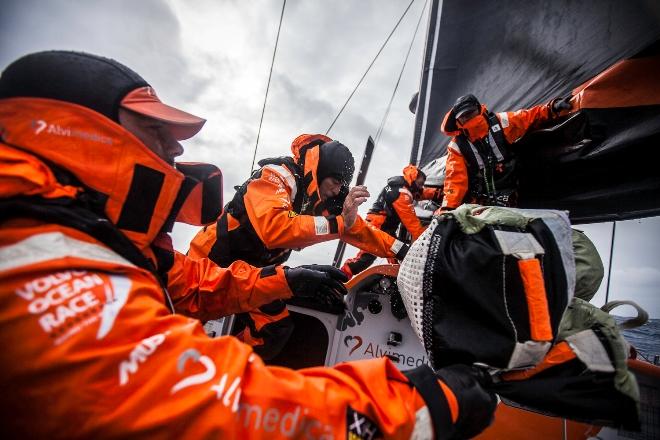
144,100
101,84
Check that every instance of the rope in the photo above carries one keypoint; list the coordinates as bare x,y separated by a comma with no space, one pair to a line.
270,74
389,105
609,269
369,68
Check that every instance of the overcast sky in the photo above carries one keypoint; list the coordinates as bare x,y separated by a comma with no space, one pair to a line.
212,57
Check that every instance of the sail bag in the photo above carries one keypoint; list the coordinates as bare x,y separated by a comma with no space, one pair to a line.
494,287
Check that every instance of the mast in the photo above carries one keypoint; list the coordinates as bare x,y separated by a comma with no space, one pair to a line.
426,82
362,175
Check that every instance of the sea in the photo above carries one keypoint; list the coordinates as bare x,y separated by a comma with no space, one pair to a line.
646,339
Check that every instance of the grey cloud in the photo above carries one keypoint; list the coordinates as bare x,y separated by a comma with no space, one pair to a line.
144,35
296,105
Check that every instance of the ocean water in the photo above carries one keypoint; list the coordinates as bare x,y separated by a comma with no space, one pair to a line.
646,339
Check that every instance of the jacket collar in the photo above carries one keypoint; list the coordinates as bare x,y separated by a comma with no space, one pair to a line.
140,188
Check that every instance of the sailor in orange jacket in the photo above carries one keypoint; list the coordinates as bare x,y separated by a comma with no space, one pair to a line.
394,207
290,203
90,348
481,166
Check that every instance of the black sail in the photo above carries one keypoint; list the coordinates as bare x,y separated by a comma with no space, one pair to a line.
515,54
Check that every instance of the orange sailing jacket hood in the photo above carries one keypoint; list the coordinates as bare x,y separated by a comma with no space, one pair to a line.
306,152
139,192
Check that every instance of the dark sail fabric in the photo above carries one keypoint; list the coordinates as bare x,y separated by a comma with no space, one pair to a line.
516,54
597,164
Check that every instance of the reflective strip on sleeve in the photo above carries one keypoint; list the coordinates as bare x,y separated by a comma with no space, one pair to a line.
453,146
405,191
396,246
423,424
54,245
321,225
285,174
504,119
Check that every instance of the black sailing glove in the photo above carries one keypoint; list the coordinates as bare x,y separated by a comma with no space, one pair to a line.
476,406
561,104
318,281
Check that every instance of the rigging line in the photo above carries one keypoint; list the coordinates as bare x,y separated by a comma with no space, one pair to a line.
389,105
369,68
270,74
609,269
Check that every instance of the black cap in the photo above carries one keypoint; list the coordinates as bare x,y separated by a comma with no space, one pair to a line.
335,160
465,103
89,80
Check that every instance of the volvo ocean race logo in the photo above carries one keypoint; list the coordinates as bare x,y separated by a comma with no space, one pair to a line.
67,302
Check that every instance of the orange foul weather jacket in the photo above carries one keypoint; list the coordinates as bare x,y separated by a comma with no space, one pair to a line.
280,217
90,348
279,209
481,169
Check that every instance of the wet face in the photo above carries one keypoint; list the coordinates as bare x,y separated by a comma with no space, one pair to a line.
329,187
462,119
153,133
419,182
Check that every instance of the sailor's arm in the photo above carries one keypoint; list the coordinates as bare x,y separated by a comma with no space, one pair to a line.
516,124
120,364
403,205
269,205
430,193
456,178
201,289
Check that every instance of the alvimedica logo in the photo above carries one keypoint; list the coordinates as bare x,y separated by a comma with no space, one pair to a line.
42,127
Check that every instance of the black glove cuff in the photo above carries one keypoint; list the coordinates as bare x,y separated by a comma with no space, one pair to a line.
426,384
402,252
332,224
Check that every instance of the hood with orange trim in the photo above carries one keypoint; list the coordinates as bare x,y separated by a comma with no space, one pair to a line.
449,125
140,189
410,173
306,151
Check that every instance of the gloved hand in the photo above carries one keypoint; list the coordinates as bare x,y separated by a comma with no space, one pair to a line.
319,281
561,104
476,406
346,269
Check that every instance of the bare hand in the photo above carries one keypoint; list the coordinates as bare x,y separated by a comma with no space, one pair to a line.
356,196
